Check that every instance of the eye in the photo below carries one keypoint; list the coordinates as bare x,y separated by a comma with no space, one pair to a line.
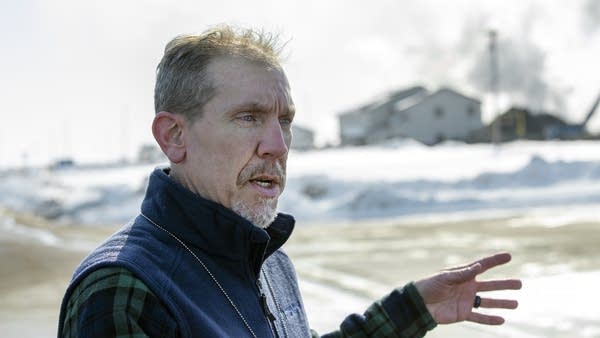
246,117
286,121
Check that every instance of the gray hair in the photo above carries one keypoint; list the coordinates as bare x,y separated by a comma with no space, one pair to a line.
183,84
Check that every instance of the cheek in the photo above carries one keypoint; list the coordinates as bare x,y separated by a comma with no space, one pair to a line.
233,153
234,164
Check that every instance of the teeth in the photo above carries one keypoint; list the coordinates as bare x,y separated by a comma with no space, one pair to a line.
265,184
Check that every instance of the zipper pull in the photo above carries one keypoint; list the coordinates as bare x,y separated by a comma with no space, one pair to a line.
268,313
263,302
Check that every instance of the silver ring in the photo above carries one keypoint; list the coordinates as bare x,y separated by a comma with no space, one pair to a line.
477,302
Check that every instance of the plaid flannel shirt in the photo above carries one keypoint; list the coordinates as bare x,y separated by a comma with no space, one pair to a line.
112,302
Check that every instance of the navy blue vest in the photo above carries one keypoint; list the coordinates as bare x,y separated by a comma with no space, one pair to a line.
236,252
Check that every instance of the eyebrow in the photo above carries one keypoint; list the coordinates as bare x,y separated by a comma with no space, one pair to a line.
257,106
291,109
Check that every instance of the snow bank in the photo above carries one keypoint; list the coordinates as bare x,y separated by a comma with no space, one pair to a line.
399,179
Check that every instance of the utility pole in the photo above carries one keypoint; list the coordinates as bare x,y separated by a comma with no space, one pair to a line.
494,80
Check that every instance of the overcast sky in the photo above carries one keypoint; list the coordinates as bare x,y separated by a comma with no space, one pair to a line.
78,76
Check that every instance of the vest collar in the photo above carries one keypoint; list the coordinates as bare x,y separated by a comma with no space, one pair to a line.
209,226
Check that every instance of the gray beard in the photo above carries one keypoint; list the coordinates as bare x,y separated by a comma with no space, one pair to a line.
262,216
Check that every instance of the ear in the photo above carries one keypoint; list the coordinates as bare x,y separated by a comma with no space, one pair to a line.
167,129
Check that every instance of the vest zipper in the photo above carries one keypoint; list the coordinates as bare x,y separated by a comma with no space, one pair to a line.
277,307
263,301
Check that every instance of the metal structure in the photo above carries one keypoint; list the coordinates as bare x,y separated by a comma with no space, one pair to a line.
573,131
494,81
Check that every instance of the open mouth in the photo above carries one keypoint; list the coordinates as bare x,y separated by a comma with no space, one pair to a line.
265,183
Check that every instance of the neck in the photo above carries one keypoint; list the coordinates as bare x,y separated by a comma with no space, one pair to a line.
176,175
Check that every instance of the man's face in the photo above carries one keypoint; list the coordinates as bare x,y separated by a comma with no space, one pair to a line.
236,151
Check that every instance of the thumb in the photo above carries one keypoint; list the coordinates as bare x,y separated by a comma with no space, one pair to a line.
464,274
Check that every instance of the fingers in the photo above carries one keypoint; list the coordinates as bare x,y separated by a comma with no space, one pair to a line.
495,285
486,262
481,318
499,303
457,276
494,260
485,319
492,303
463,274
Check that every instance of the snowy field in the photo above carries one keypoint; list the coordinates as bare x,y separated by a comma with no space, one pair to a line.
345,266
554,181
369,219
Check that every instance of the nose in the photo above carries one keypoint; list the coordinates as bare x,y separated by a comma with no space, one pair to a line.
274,141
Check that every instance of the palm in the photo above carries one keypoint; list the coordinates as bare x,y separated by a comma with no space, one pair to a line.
449,294
451,303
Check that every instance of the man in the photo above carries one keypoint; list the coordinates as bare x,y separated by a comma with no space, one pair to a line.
203,258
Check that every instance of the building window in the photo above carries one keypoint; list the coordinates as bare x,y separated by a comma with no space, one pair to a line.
470,111
438,112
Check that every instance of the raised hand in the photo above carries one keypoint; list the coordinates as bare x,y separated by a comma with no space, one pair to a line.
449,295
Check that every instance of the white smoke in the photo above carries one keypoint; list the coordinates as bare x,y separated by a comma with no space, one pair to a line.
521,75
591,16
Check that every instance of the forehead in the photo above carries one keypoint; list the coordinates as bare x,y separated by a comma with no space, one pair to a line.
239,81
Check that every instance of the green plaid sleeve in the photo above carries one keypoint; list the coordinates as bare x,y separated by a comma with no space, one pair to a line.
401,314
112,302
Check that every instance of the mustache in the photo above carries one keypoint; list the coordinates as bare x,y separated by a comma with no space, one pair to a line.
271,169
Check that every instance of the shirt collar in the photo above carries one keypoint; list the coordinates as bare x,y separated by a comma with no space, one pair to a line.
210,226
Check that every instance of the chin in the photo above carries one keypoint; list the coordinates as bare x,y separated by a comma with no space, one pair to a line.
260,213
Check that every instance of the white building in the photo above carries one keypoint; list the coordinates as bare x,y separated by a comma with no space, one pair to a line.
413,113
151,153
302,138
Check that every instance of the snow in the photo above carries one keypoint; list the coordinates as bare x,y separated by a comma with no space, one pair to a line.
547,184
397,179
